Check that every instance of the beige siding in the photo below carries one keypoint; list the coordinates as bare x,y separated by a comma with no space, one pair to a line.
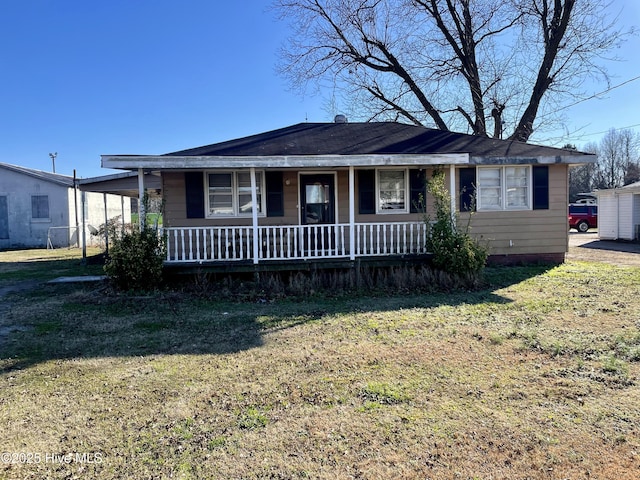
529,231
390,217
176,210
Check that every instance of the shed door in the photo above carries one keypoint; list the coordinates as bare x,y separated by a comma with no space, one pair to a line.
4,218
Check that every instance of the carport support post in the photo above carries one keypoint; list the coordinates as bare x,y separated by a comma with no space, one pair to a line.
106,225
142,215
83,200
254,214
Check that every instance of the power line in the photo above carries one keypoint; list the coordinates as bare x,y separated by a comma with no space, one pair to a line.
596,95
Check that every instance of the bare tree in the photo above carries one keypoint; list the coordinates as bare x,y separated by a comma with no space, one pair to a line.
450,64
618,163
617,158
583,178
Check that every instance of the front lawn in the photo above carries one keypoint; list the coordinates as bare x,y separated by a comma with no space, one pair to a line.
533,377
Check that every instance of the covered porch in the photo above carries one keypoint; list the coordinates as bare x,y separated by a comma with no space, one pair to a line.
261,244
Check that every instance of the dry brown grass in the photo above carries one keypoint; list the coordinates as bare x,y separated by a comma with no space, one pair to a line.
535,377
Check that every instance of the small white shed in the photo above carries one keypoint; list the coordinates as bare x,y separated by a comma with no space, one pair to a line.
619,213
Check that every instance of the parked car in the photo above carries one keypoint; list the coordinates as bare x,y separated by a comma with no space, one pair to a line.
583,216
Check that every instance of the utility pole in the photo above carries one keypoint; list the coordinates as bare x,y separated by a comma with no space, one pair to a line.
53,160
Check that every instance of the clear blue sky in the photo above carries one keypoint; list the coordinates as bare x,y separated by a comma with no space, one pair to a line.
84,78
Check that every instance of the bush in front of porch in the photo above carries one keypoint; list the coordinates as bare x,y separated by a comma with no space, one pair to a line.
454,249
136,259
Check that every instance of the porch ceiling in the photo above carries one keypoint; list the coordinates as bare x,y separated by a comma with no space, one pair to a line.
125,184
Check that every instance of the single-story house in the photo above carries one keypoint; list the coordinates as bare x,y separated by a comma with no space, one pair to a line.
343,191
41,209
619,213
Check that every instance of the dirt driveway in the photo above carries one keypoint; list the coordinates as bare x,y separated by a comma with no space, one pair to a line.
587,247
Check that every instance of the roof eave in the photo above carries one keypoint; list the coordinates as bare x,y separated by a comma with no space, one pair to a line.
128,162
535,160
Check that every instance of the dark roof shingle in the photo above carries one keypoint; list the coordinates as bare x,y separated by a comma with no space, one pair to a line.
369,138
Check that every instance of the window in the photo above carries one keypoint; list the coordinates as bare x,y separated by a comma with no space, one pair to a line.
517,187
229,193
40,207
392,191
504,188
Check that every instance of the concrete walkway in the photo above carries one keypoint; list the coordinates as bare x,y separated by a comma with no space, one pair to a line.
80,279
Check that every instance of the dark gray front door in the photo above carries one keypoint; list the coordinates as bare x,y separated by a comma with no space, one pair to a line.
318,211
317,194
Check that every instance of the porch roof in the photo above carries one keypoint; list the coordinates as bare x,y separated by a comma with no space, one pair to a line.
351,144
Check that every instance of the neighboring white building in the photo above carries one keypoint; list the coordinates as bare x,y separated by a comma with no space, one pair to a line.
619,213
40,209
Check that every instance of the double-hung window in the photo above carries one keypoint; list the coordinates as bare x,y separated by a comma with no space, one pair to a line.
504,188
392,191
229,194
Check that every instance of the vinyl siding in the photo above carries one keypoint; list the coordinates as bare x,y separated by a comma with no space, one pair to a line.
527,231
176,211
625,216
607,217
636,215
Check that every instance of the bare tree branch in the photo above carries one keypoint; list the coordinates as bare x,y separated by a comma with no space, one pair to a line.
451,63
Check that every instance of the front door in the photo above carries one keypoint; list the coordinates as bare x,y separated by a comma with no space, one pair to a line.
317,193
318,207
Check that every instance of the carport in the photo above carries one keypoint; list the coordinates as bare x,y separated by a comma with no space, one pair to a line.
126,184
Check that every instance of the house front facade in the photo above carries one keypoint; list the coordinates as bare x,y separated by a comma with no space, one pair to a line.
344,191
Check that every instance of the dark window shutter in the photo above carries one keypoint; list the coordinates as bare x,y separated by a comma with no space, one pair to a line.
467,188
541,187
275,194
366,191
417,191
194,190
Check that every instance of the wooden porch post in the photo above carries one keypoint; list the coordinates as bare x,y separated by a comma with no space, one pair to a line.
452,190
142,215
122,210
352,214
254,215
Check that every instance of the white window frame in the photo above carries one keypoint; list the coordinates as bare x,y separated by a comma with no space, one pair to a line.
503,189
407,192
235,194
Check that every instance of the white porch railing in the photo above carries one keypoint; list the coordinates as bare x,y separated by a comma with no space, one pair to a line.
294,242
